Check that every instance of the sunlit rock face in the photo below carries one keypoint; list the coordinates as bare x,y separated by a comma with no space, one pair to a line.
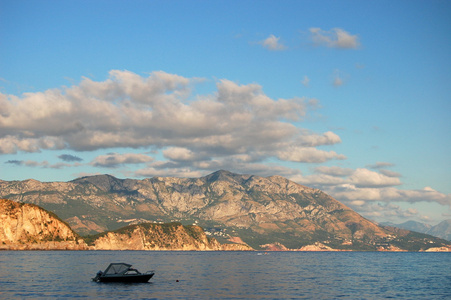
171,236
29,227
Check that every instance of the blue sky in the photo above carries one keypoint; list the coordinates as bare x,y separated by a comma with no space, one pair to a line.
348,96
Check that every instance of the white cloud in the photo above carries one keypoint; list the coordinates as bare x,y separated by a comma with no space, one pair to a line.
386,211
371,193
366,178
349,192
338,81
272,43
426,194
114,160
179,154
305,81
171,172
158,111
334,171
334,38
380,165
43,164
308,155
358,203
389,173
319,180
22,142
313,140
339,78
70,158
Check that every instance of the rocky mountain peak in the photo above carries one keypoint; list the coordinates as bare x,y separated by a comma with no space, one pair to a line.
442,229
104,182
227,176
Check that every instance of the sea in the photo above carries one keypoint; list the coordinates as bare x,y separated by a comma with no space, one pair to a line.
228,275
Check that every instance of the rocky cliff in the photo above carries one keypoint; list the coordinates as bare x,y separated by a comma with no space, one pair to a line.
169,236
259,210
29,227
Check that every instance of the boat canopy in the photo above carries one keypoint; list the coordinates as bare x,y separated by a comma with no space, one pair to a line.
117,269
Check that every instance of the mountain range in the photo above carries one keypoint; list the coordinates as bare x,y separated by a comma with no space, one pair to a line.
441,230
262,212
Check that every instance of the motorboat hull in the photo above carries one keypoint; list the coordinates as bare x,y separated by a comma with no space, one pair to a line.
134,278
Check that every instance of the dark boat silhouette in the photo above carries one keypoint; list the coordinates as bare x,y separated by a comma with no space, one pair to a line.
121,272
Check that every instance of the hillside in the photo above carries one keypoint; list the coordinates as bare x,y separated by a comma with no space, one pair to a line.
148,236
29,227
262,212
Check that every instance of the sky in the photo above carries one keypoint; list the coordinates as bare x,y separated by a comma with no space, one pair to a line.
352,97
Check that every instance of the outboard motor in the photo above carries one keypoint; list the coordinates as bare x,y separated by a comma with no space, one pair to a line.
96,279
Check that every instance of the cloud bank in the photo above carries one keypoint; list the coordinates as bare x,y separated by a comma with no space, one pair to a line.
236,124
114,160
372,193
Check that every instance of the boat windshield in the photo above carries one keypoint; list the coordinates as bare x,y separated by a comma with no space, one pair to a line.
117,268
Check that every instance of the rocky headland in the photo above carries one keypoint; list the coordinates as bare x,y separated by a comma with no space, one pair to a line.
29,227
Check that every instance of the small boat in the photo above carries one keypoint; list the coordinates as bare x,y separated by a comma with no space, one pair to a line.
120,272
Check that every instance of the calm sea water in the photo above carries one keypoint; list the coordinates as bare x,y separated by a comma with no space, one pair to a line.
228,275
